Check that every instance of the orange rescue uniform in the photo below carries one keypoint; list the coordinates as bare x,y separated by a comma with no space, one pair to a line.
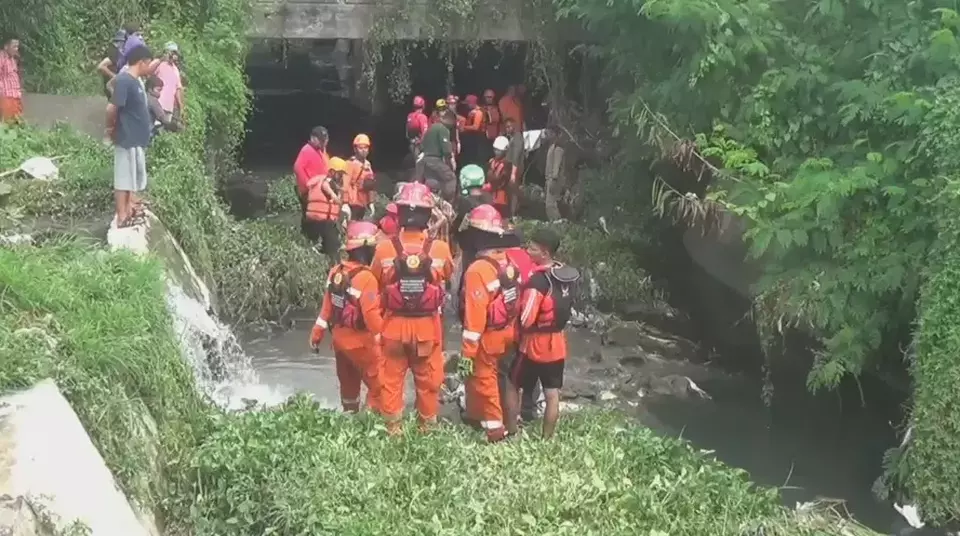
358,183
493,121
500,175
511,108
351,310
490,307
411,342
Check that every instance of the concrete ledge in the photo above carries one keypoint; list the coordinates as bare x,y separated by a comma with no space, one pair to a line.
84,113
303,19
47,459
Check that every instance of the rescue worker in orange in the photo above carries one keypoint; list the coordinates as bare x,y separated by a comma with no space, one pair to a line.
359,180
546,305
489,311
324,206
511,106
501,177
492,111
412,269
389,224
351,311
474,142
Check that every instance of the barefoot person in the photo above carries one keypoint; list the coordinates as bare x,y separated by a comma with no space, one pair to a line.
129,127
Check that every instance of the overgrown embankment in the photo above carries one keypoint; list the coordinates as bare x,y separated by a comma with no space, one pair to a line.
257,271
97,323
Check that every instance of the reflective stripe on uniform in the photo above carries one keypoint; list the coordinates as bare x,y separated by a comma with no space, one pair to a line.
353,292
491,425
387,262
528,308
493,285
321,322
471,336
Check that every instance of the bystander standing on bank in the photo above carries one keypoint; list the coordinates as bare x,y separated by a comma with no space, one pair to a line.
167,69
129,126
11,90
109,65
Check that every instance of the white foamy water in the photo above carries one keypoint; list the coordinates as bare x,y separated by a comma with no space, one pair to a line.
222,370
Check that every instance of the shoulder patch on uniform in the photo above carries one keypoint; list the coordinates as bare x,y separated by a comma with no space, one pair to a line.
337,279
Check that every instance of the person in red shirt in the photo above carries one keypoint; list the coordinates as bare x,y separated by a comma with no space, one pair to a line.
11,90
417,124
311,162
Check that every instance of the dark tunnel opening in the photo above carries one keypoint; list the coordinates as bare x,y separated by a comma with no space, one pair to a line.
297,88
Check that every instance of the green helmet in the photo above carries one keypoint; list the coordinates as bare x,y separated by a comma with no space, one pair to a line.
471,176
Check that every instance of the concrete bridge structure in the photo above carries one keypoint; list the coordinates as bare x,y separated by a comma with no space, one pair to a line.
352,19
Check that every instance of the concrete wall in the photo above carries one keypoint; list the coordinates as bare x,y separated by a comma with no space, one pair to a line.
86,114
351,19
48,462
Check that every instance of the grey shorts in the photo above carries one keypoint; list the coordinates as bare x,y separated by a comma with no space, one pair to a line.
129,169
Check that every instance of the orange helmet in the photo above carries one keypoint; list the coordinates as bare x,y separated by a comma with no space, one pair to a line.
361,233
485,218
362,140
414,194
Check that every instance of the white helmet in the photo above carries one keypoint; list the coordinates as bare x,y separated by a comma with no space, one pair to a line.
501,143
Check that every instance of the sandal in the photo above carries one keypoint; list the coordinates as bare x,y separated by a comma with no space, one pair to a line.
132,221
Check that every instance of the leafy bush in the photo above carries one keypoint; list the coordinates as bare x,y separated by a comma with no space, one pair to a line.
613,259
302,470
282,197
97,323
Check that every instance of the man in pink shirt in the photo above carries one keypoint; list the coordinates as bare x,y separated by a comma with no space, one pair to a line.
311,162
11,93
167,70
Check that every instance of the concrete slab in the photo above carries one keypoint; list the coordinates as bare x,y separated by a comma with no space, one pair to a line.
84,113
47,458
352,19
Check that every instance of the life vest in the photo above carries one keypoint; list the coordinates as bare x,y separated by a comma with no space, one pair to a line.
498,173
483,121
414,291
414,126
319,207
364,181
491,118
504,308
346,299
556,307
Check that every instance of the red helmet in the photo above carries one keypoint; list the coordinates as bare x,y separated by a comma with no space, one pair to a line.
418,102
361,233
391,208
485,218
414,194
471,100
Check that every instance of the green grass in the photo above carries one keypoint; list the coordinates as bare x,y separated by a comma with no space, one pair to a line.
301,470
97,323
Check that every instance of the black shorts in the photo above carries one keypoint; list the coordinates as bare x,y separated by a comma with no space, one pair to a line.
526,372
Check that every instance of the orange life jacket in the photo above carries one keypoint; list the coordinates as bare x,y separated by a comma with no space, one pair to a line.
556,307
345,299
504,308
498,173
319,207
414,292
491,118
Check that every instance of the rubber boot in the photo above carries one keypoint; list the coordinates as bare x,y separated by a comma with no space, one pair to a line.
496,435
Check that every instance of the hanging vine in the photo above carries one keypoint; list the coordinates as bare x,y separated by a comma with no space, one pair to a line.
451,29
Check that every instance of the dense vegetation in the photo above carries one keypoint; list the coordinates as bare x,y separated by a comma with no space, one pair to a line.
602,475
830,127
